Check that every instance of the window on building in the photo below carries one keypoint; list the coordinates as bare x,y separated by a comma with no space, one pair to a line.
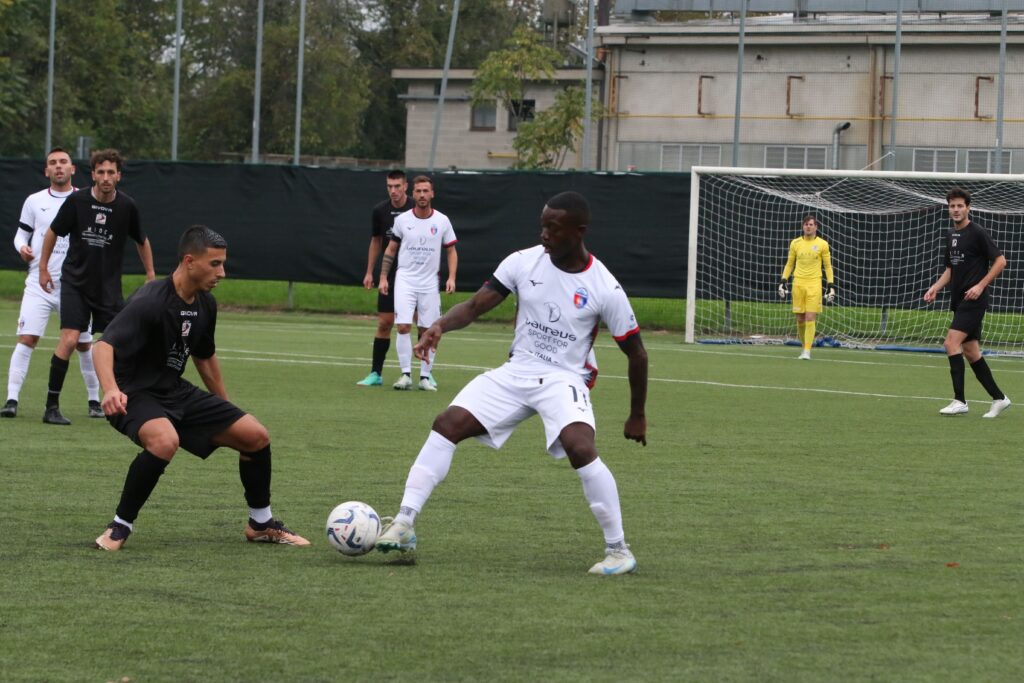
484,116
984,161
521,110
684,157
935,160
792,156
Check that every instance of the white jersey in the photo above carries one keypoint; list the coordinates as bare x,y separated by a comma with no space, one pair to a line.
37,213
558,312
421,241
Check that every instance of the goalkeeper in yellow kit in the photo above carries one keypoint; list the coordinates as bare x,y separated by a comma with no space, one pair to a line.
808,255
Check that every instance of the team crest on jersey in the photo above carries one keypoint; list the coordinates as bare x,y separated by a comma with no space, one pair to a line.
186,327
433,229
580,298
814,247
101,219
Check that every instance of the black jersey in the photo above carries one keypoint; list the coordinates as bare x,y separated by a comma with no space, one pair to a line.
98,232
384,219
156,332
969,254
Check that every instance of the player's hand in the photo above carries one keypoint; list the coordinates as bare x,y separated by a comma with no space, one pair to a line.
428,342
783,289
45,280
974,292
830,296
636,429
449,286
384,286
26,253
929,296
114,403
368,281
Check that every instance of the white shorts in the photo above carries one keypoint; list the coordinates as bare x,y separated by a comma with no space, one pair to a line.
36,308
500,400
427,305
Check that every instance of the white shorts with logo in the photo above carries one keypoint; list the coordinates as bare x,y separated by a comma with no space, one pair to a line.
426,305
36,308
499,399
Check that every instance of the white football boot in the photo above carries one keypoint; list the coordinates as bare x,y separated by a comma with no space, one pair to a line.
998,406
955,408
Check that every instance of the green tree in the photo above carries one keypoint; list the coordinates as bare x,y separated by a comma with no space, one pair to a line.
544,142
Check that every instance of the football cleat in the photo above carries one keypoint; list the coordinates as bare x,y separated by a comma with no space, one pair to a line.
10,409
404,383
372,380
95,410
113,538
956,408
804,355
398,536
616,561
426,384
998,406
52,416
273,531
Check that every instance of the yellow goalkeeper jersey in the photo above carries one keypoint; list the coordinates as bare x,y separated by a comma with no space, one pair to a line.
806,259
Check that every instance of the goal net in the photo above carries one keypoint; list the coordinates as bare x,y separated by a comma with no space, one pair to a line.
886,232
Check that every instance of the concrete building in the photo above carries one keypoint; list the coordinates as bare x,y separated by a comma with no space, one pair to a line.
670,94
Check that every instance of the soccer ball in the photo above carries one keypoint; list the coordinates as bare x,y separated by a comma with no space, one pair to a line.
353,528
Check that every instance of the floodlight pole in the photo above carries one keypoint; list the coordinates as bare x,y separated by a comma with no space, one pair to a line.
739,85
298,89
998,168
49,80
444,84
177,82
256,86
891,160
589,96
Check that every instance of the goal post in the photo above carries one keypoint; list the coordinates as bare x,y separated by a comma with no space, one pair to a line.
886,233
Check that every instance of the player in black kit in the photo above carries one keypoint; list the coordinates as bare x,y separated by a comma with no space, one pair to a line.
139,362
99,220
382,220
973,261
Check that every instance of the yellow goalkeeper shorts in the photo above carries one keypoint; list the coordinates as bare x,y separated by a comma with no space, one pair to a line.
806,297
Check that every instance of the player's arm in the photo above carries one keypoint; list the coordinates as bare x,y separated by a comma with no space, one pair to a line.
830,276
114,401
23,244
453,266
937,286
146,256
786,272
49,242
460,315
371,260
209,370
636,423
997,267
385,266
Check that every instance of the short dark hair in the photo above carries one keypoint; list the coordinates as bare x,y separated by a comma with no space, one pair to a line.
959,193
808,217
197,239
102,155
574,204
422,179
58,149
397,174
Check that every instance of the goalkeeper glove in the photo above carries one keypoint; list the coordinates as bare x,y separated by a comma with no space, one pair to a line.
783,289
830,296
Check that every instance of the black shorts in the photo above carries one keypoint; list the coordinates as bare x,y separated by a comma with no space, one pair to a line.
77,310
386,304
968,319
197,416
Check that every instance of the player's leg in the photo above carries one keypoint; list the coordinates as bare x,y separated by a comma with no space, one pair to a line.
800,310
405,307
810,330
146,424
953,345
569,425
382,338
32,319
982,371
75,315
251,439
427,312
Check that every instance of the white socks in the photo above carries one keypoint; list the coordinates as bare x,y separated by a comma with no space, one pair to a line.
603,495
19,369
403,346
426,366
92,383
429,470
261,515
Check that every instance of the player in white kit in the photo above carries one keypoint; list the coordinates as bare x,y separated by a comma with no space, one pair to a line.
418,238
36,304
562,293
